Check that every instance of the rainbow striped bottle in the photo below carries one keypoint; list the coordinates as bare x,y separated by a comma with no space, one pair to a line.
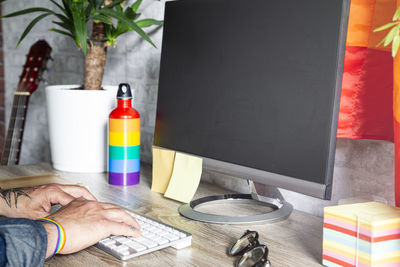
124,140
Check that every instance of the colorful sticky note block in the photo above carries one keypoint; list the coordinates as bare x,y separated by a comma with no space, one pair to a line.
185,177
163,164
363,234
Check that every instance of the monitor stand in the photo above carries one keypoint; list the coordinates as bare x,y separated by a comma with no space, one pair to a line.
281,208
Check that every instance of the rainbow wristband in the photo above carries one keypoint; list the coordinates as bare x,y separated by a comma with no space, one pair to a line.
61,234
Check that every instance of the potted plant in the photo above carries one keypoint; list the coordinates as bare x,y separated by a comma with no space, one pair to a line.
78,118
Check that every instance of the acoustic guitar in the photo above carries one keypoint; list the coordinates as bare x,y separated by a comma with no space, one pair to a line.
29,81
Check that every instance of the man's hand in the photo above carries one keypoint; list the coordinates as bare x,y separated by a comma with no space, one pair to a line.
35,202
86,222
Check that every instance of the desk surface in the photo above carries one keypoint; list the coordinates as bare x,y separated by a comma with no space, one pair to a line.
296,241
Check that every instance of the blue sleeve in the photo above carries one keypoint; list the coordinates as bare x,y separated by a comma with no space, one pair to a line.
24,242
3,259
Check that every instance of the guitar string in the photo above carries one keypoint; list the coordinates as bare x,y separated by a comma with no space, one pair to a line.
10,133
12,129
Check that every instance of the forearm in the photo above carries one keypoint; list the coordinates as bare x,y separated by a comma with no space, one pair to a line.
25,240
52,235
9,200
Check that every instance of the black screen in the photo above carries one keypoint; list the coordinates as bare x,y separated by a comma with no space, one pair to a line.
252,83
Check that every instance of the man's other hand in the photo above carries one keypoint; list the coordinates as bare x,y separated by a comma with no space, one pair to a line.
35,202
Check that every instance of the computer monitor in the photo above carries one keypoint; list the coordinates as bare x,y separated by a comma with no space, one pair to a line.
253,87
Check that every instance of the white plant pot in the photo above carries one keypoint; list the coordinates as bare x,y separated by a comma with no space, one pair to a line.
78,127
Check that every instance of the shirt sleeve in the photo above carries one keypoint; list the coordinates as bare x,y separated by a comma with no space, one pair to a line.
25,242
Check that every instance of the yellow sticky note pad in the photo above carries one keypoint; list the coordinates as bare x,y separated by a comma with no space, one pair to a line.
163,164
185,177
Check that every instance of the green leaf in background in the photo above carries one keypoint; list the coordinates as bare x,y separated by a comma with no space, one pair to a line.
30,26
396,15
381,42
130,23
135,6
386,26
390,36
395,45
148,22
27,11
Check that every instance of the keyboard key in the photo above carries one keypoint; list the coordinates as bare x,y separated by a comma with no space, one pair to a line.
119,238
136,246
171,237
160,240
107,241
122,248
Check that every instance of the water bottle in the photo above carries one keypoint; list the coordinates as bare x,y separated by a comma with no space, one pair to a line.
124,140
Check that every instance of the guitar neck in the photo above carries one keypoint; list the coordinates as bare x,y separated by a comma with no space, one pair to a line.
12,146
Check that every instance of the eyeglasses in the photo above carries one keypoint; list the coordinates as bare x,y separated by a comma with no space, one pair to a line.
253,253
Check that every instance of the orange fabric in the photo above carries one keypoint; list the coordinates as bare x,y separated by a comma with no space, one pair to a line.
366,15
383,13
360,19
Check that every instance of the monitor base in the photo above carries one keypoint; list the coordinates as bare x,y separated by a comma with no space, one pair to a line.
282,209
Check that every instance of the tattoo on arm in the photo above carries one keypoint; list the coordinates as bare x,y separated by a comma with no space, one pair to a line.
7,194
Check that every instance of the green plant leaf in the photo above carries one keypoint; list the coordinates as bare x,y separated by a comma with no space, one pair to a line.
97,3
88,9
114,3
390,36
104,19
66,6
27,11
395,45
66,20
396,15
61,32
148,22
65,26
129,13
386,26
135,6
130,23
79,19
381,42
30,26
60,7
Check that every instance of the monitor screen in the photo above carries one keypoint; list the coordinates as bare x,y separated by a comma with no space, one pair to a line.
254,84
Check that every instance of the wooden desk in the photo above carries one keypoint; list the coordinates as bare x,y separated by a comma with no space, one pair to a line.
294,242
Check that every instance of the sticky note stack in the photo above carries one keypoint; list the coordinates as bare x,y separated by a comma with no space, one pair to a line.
363,234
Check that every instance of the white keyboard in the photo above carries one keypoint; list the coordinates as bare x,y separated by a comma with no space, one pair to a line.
155,235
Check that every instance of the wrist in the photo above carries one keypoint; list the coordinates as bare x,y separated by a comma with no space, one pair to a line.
52,237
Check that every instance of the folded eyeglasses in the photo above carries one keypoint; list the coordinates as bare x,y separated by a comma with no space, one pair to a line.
253,253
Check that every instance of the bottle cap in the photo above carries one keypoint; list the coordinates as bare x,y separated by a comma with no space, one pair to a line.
124,91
